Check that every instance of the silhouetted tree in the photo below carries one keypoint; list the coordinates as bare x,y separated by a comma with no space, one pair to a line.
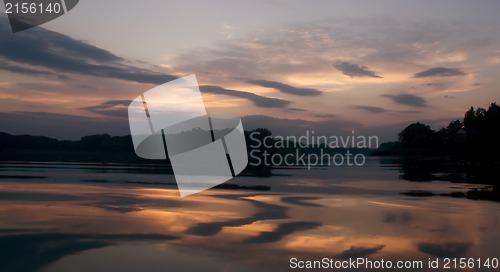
450,134
416,135
470,118
257,140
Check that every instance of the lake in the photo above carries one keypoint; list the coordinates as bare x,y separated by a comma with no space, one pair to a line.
57,217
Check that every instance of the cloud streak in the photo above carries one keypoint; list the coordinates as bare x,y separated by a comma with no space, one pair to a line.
43,48
360,252
440,72
354,70
113,108
22,70
447,250
408,99
285,88
61,53
370,109
258,100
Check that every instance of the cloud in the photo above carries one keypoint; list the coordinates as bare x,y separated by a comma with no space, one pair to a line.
285,88
327,115
410,112
440,71
295,110
114,108
258,100
354,70
407,99
359,252
22,70
370,109
447,250
118,108
61,53
434,84
399,49
115,103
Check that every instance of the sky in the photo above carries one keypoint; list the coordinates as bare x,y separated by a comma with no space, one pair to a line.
334,67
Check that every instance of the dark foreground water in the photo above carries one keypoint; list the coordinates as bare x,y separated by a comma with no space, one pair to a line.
58,217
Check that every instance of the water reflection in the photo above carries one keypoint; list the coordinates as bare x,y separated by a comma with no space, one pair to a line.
453,170
265,212
62,224
30,252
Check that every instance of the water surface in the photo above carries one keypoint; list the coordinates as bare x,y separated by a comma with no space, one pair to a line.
114,217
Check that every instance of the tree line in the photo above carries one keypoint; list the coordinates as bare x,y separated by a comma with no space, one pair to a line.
475,137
